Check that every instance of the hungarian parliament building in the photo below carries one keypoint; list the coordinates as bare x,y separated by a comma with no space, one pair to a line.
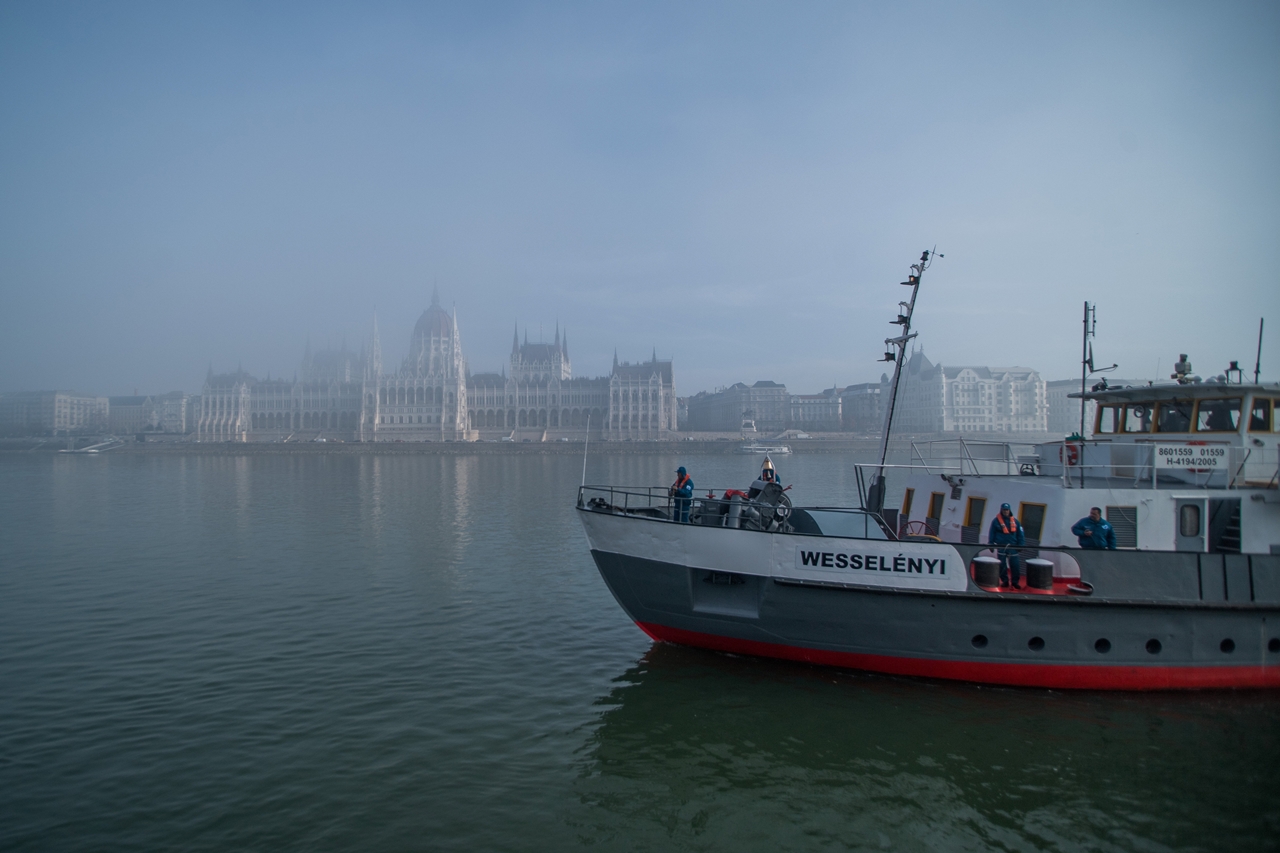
345,396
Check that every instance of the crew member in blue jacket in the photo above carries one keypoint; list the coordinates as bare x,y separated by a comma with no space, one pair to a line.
682,491
1005,530
1095,531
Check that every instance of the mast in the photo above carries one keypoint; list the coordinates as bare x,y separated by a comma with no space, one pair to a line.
1257,363
896,351
1086,370
1090,312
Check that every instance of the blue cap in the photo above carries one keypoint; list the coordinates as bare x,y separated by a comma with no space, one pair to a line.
681,470
1005,506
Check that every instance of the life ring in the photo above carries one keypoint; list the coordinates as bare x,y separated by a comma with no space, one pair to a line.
1072,455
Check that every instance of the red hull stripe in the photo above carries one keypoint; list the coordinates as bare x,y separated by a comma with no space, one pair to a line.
1064,676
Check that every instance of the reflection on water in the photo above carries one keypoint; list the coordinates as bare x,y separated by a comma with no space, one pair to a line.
356,652
753,754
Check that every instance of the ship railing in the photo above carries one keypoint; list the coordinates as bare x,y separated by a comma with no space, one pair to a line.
713,508
1155,464
642,500
1170,463
968,457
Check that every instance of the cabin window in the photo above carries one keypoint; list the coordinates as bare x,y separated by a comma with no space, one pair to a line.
934,519
1189,520
1175,416
1218,415
1108,420
1137,417
906,502
1261,414
971,534
1124,522
1032,518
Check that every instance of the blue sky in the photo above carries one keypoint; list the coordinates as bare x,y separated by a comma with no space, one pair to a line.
740,185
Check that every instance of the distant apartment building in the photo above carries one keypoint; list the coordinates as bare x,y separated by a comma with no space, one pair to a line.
130,415
1064,413
817,412
159,413
765,403
934,398
52,413
861,406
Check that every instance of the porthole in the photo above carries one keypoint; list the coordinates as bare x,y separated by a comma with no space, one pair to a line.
1102,646
1274,645
1228,646
1153,647
1035,644
980,641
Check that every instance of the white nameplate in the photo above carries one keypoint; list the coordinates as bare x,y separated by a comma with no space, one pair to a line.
897,564
1191,457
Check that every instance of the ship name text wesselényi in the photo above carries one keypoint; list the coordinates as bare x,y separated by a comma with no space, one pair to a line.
873,562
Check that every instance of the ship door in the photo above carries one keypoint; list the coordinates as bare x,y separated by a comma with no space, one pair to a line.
1188,524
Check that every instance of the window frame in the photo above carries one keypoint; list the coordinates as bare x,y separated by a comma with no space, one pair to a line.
1271,425
1118,408
1159,416
1044,512
1195,422
968,512
941,499
1152,412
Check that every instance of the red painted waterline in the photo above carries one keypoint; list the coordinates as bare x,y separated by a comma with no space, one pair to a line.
1064,676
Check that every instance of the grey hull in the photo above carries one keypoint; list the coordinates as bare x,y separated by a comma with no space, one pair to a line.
1181,640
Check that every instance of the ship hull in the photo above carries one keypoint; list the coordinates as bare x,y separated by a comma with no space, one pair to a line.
701,596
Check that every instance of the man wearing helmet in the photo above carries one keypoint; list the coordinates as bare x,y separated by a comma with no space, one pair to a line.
1005,530
768,474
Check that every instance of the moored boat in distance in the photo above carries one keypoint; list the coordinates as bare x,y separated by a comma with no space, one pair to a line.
767,449
1187,474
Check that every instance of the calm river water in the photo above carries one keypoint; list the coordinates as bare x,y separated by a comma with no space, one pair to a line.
361,652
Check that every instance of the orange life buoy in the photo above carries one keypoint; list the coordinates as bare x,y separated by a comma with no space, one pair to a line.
1072,454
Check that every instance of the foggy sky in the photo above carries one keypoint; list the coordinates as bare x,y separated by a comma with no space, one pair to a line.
740,186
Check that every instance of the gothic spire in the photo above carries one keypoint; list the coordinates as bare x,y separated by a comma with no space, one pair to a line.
435,297
375,354
515,339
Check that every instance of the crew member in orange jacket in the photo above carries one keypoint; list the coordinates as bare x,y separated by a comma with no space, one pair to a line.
1005,530
682,491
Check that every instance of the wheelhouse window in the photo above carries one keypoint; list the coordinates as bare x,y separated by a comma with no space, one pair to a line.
1175,416
1108,420
1218,415
1137,417
1261,415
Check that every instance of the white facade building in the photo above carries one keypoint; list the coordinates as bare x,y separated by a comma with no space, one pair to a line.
934,398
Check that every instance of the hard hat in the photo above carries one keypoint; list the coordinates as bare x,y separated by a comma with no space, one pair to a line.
681,470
